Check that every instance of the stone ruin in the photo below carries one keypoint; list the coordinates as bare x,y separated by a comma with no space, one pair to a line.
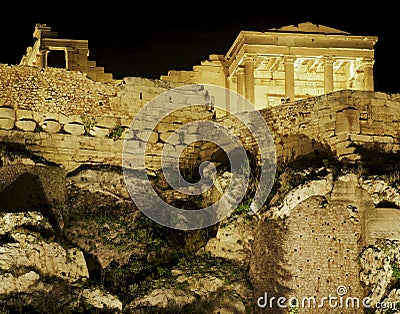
313,85
76,53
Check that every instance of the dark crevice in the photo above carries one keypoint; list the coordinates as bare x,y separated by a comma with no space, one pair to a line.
100,167
386,204
6,238
13,150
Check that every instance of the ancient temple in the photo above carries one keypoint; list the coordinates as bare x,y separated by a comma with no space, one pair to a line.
76,53
288,63
266,67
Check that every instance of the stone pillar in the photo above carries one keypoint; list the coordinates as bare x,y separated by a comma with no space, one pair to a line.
240,87
328,75
42,59
228,89
289,77
69,58
249,79
368,74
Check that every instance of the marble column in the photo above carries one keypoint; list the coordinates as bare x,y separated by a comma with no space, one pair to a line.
240,87
328,75
289,78
368,74
249,79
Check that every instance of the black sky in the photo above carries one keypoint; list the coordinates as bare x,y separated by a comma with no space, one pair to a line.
150,39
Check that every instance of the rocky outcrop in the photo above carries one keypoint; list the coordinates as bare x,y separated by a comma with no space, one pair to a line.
380,271
309,239
204,284
33,263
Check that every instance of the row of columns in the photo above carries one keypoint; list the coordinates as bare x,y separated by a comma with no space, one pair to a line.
245,77
41,57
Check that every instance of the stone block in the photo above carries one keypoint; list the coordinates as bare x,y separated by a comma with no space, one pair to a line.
63,119
148,136
26,125
7,113
361,138
170,137
380,95
6,124
347,121
99,131
74,128
22,114
50,126
107,122
163,127
41,116
75,118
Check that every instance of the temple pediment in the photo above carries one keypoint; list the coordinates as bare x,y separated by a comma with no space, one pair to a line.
309,27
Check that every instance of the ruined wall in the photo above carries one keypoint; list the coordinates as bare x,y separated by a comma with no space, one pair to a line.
210,71
338,122
70,119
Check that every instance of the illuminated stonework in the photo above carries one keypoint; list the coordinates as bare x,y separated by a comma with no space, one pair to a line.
268,68
76,53
289,63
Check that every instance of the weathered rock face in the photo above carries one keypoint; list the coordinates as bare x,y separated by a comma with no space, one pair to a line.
319,231
205,284
34,187
316,242
47,258
32,263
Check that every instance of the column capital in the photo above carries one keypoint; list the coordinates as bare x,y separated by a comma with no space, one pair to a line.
289,58
368,61
43,51
239,70
328,59
249,58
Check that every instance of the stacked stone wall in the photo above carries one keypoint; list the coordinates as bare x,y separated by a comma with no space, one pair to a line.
67,118
70,119
339,122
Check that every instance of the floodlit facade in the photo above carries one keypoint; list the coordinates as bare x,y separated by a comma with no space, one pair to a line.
288,63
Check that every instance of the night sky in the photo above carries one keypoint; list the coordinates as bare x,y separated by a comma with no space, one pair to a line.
153,38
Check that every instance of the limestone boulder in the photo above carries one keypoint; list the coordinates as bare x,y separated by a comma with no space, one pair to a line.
99,131
48,258
6,123
25,125
100,299
12,284
7,113
50,126
74,128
